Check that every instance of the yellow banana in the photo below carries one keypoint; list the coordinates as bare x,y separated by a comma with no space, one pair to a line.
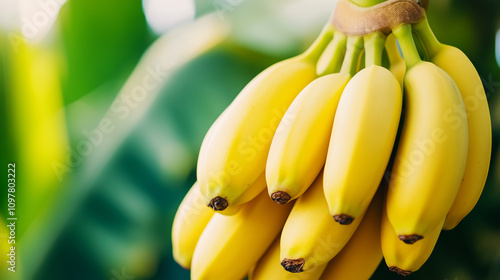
298,150
311,237
363,135
432,150
462,71
406,258
207,140
230,245
190,220
299,147
361,256
269,267
397,63
257,186
237,152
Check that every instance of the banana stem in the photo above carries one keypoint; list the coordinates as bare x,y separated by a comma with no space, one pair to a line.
354,48
404,35
427,37
339,48
391,45
366,3
318,46
374,46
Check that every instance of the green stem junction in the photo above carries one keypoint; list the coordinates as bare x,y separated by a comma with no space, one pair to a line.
405,38
426,36
319,45
374,47
351,59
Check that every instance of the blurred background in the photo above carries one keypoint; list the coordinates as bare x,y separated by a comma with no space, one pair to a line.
104,104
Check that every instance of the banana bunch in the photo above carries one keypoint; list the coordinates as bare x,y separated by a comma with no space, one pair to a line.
344,154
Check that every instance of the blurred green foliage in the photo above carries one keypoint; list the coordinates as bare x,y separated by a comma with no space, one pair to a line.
112,213
101,41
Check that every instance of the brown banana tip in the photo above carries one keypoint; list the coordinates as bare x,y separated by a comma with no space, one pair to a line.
410,239
399,271
218,203
280,197
343,219
293,266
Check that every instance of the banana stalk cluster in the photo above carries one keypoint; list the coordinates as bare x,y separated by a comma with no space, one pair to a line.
329,161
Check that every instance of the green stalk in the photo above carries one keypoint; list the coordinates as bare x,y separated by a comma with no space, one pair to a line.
427,37
391,46
404,35
374,46
339,48
366,3
354,48
318,46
